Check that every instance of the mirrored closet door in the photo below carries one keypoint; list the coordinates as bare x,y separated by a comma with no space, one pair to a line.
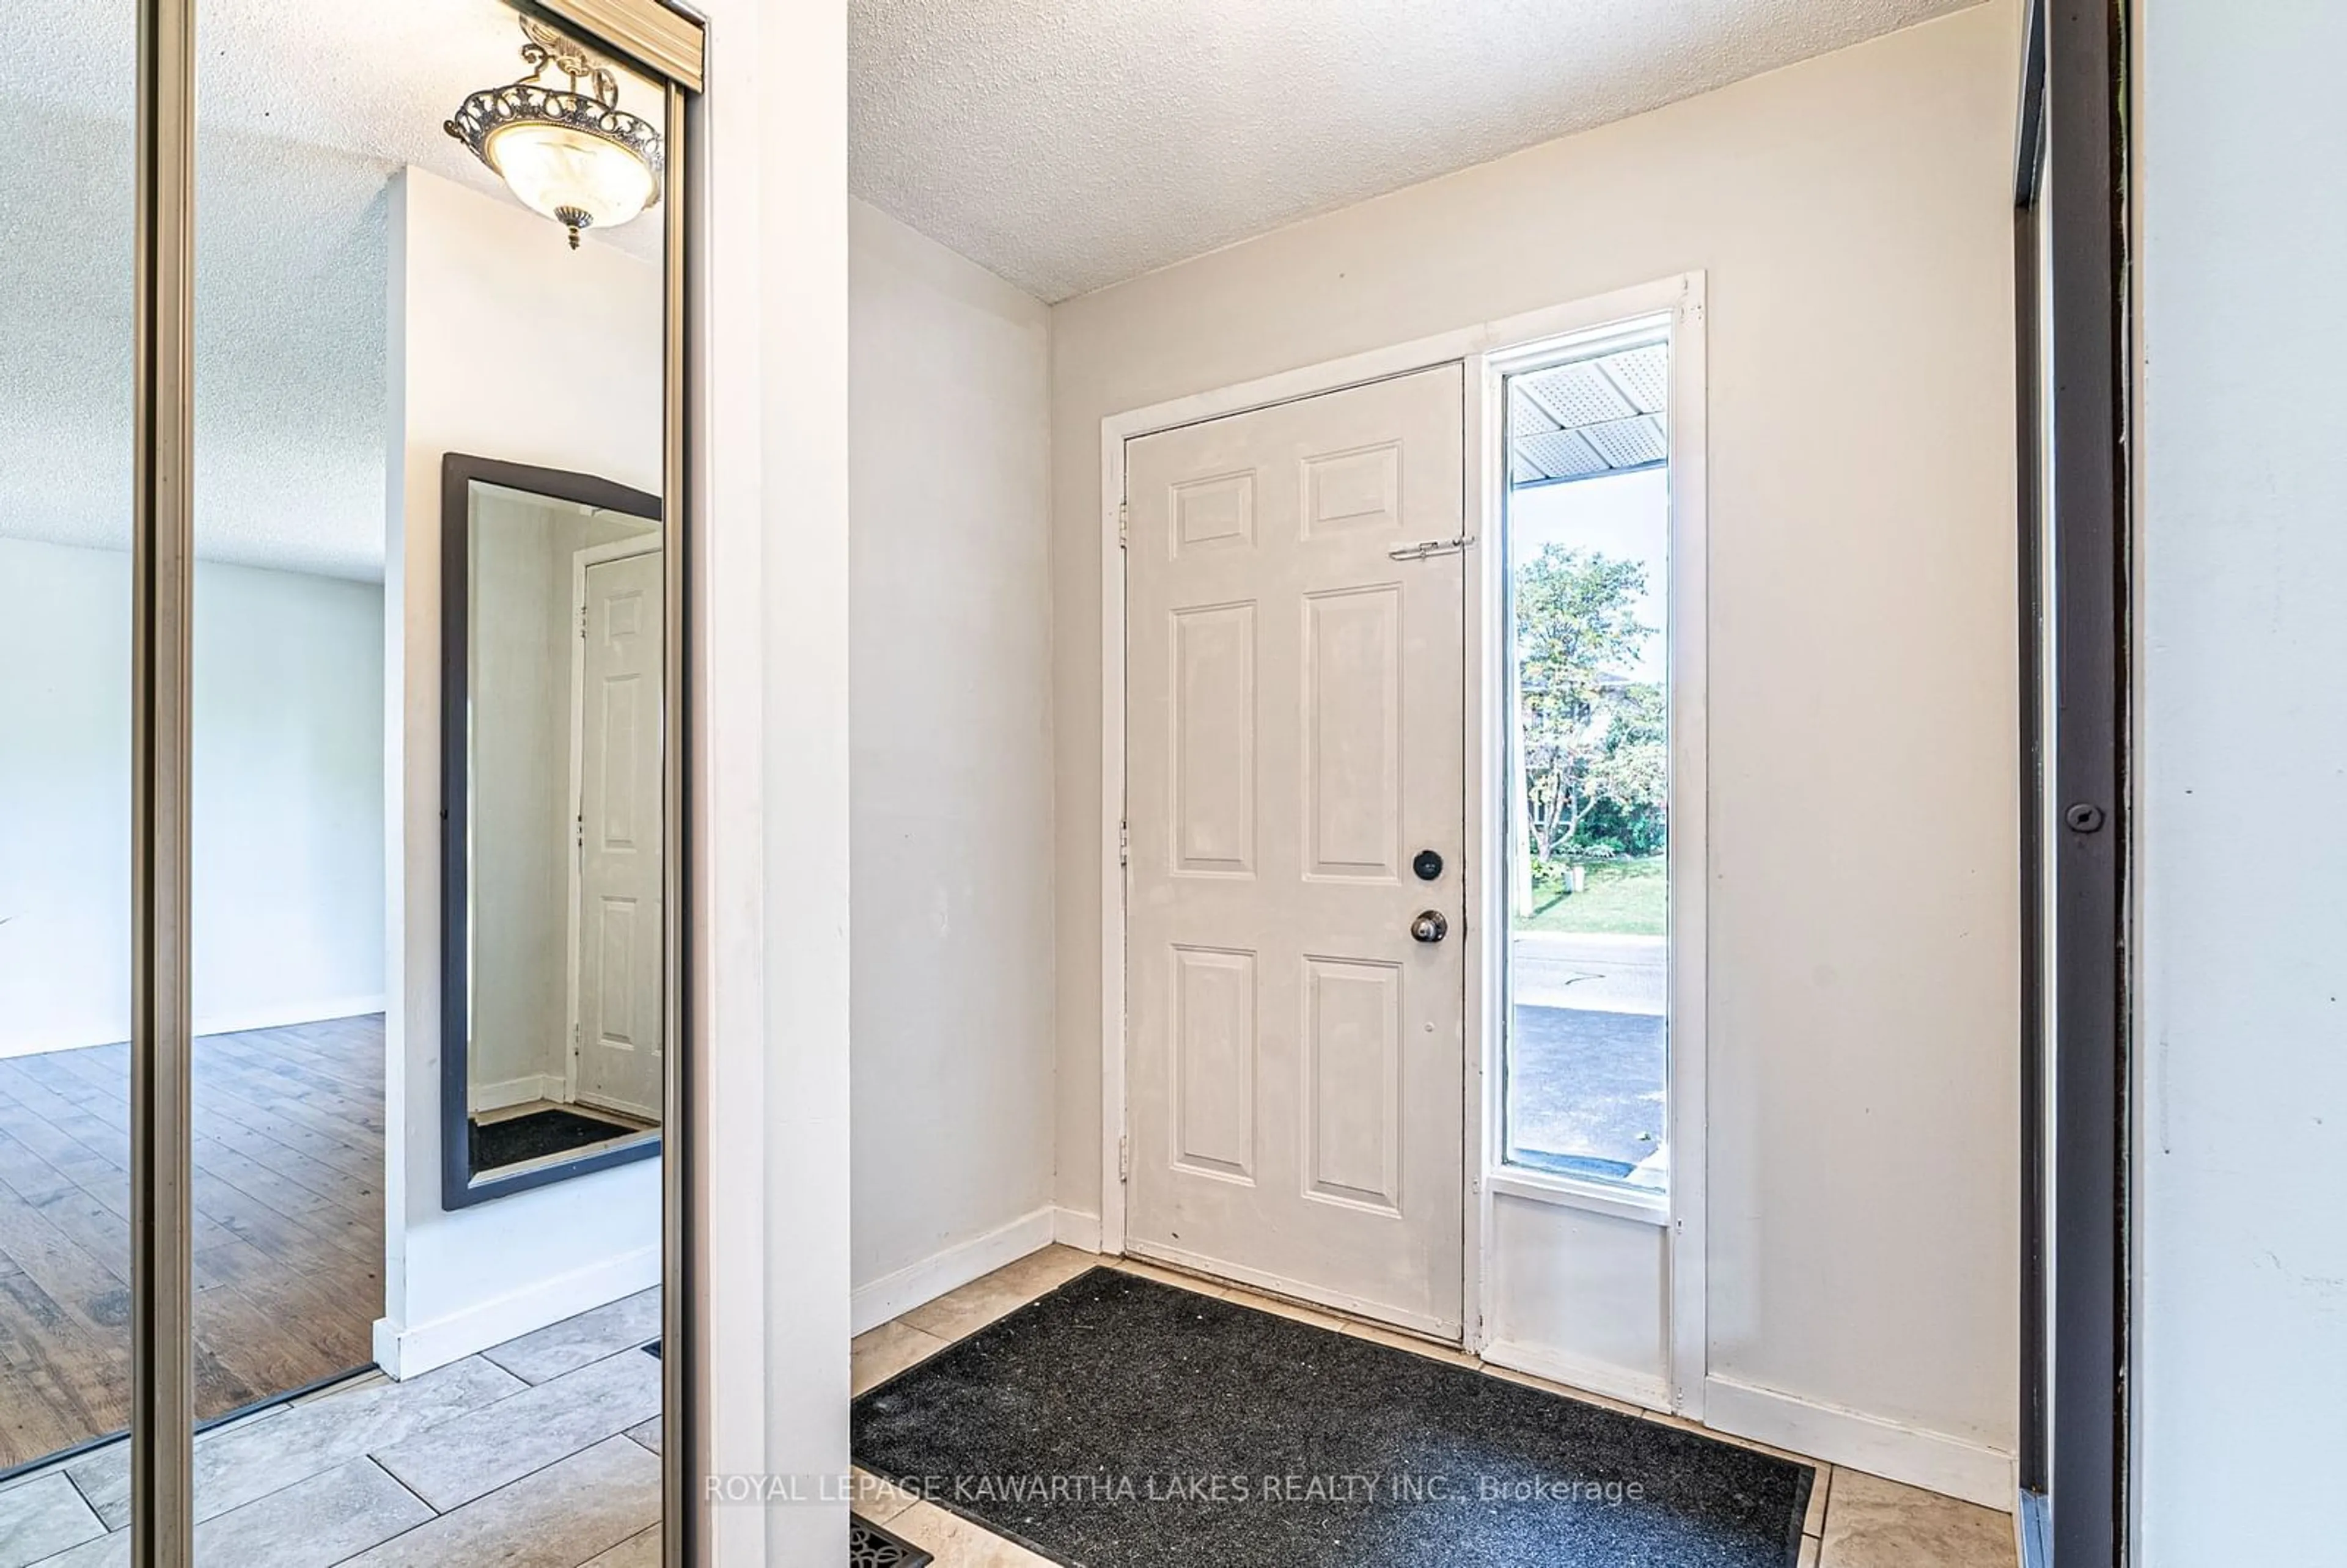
339,1022
69,152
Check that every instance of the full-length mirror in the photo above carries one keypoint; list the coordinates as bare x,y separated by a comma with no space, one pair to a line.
553,677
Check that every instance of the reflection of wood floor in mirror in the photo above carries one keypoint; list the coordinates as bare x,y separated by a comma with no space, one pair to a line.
288,1225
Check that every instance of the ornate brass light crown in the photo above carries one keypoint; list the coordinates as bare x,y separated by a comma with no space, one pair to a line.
573,154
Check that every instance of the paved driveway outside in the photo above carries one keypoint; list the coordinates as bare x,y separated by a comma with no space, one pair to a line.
1588,1062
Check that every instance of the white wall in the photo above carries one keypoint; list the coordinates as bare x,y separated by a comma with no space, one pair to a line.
518,773
1853,216
2242,1387
288,840
950,686
476,281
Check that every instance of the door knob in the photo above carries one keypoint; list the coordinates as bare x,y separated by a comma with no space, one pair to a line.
1430,926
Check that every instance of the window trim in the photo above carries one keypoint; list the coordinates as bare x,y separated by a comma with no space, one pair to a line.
1623,1203
1520,343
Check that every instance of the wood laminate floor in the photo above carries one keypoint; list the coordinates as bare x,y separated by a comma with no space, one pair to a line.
288,1203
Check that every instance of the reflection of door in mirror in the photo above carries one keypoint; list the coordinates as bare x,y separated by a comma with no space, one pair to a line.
560,811
615,961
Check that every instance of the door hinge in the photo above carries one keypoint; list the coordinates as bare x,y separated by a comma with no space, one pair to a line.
582,623
1123,524
1426,548
579,827
1124,1156
1124,844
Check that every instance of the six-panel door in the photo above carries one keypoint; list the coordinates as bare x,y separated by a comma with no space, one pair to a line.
1294,738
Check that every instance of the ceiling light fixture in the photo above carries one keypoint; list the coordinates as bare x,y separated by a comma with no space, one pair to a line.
573,155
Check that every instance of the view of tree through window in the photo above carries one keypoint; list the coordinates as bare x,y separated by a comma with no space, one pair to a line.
1588,526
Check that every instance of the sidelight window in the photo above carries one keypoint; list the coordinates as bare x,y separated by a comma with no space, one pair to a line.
1587,530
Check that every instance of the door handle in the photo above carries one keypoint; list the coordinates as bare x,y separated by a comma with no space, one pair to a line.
1430,926
1426,549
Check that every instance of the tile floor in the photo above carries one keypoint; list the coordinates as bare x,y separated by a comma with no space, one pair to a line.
1855,1520
541,1453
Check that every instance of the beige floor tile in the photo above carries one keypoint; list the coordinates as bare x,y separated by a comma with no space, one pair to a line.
1809,1552
1814,1521
1013,1285
876,1500
879,1354
636,1552
956,1542
1876,1523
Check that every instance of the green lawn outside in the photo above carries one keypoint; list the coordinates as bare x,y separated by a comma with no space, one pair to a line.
1621,898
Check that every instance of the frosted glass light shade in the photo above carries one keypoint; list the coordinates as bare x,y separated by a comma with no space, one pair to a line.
576,177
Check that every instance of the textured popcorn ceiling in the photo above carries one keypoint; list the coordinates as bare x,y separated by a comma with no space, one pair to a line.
1066,144
304,112
1071,144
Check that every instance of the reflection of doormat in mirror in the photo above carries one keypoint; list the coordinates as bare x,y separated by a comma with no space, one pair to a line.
1122,1423
513,1139
869,1546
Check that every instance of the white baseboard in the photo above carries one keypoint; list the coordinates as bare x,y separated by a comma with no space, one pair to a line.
409,1351
893,1294
1935,1461
1073,1227
114,1032
530,1088
1648,1390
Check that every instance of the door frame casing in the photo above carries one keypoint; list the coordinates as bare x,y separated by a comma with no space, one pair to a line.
1478,348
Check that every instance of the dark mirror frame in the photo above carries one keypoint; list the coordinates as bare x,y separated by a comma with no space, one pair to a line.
459,1187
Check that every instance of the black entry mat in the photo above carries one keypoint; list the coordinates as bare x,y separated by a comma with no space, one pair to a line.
541,1132
869,1546
1120,1423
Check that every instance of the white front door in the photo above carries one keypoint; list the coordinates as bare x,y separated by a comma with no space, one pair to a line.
618,1003
1297,1060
